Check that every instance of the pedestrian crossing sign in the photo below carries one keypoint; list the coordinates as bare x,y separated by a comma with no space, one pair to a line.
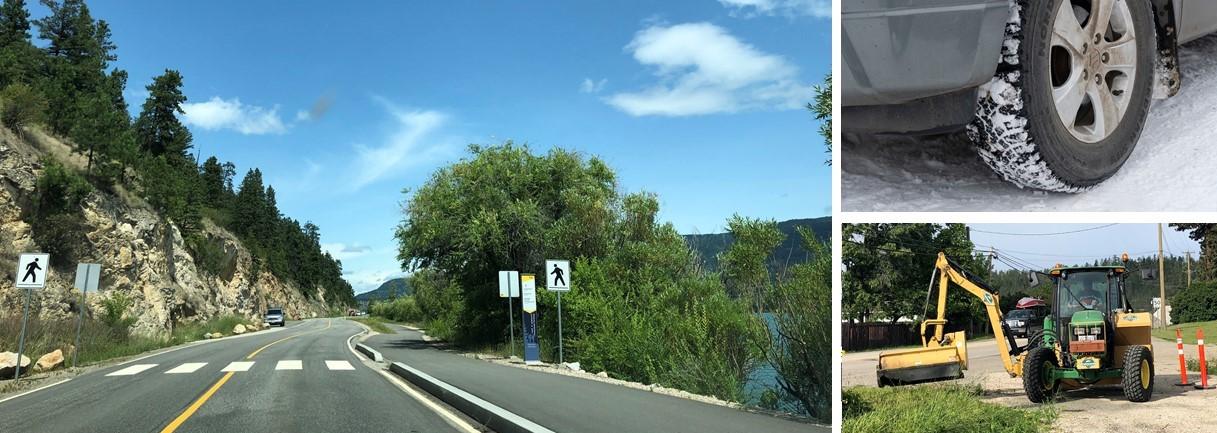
32,269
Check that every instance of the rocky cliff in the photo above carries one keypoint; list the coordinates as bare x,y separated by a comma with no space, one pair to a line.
142,255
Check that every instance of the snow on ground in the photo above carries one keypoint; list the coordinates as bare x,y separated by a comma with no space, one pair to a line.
1173,168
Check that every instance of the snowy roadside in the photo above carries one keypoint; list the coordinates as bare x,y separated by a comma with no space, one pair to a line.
1172,167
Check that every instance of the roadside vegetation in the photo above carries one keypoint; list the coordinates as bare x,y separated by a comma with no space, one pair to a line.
65,85
377,324
643,306
103,336
936,409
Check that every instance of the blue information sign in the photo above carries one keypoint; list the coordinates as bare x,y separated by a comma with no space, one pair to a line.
532,350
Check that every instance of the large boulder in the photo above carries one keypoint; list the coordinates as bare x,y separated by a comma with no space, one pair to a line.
239,329
8,363
49,361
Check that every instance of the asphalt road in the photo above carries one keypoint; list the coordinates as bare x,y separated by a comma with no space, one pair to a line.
858,368
331,391
573,405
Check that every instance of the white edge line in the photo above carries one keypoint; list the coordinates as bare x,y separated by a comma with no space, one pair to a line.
502,413
33,390
448,415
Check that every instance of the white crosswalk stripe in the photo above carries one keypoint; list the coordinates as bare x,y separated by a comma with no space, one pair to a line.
289,364
238,366
339,365
132,370
189,367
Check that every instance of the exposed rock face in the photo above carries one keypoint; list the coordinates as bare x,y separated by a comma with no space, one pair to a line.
49,361
8,363
142,255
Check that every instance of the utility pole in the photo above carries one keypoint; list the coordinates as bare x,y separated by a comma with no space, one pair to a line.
1189,269
1161,281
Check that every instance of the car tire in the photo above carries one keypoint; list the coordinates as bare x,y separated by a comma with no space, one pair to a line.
1020,131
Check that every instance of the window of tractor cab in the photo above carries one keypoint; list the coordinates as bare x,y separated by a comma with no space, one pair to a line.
1086,290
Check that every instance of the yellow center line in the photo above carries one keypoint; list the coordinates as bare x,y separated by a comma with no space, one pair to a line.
186,414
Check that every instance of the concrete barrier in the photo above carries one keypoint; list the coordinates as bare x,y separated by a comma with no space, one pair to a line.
490,415
372,353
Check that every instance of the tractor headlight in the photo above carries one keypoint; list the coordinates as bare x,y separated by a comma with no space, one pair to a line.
1096,330
1079,331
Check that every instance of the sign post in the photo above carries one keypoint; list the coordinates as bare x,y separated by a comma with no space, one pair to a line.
509,287
528,303
87,275
558,281
31,274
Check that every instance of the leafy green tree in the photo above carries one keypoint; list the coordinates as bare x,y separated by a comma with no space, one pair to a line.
744,262
887,269
1208,246
505,209
19,59
823,111
800,349
14,22
79,51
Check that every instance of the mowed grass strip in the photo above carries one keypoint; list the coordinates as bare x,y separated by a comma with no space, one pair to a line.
936,409
1189,331
377,324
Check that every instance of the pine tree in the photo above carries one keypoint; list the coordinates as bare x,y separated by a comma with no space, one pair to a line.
157,129
14,22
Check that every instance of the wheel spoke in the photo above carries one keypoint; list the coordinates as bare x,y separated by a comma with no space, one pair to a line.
1100,18
1106,111
1069,97
1122,55
1067,31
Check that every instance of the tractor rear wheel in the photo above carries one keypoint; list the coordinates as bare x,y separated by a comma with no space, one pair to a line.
1138,377
1037,369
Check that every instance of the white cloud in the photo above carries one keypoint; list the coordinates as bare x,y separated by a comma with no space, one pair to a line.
366,280
218,113
749,8
703,69
592,86
302,115
412,142
345,252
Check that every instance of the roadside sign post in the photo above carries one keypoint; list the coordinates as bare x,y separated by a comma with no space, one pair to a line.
87,276
528,304
509,287
31,274
558,281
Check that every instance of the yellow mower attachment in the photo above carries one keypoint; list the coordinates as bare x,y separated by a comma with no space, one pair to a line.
936,361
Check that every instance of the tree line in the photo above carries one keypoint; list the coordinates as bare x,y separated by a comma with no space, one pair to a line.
70,87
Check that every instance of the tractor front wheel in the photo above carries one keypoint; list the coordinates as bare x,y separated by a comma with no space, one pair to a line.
1138,377
1037,374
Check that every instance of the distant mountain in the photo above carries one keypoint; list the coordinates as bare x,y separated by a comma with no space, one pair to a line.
789,252
397,286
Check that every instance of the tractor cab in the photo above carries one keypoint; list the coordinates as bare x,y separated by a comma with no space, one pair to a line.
1087,302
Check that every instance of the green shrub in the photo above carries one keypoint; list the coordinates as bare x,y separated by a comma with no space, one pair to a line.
21,105
1197,303
114,311
402,309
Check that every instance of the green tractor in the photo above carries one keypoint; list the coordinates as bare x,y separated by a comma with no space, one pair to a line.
1092,337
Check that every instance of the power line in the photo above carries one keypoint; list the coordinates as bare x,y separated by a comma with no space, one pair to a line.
1044,234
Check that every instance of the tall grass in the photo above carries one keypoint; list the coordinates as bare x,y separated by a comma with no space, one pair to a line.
100,340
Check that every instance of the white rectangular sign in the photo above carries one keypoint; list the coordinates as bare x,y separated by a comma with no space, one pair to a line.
513,287
504,283
558,278
87,276
31,270
528,297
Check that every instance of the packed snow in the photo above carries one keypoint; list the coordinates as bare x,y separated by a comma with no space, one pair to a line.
1173,168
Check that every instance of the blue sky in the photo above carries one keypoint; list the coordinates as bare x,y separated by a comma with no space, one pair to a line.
1044,245
342,108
